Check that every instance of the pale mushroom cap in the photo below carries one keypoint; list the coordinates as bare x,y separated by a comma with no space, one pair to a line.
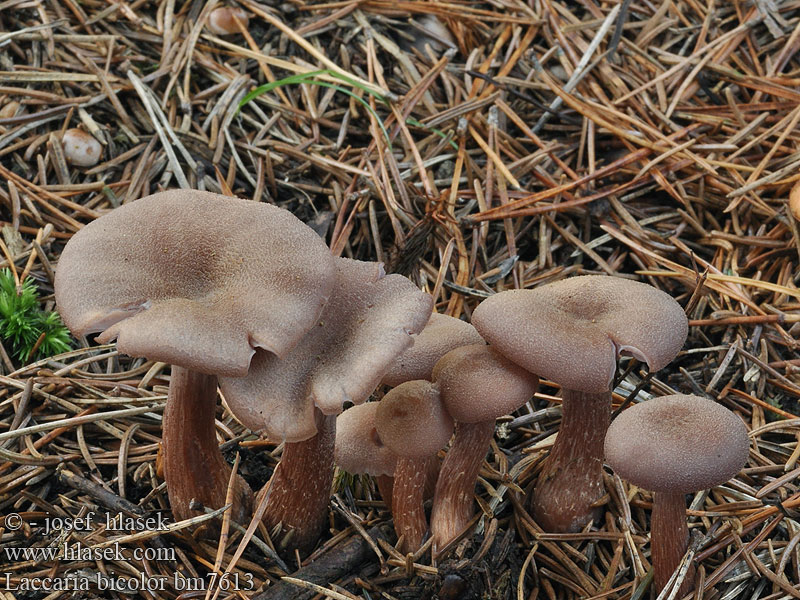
478,384
9,110
572,331
412,421
195,279
678,443
80,148
433,32
794,201
441,334
369,319
359,448
221,20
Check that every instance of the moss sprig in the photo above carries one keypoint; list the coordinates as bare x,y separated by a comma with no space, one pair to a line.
28,332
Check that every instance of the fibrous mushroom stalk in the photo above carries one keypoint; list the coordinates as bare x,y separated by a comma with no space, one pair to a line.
453,499
193,464
300,487
571,480
668,526
385,485
408,496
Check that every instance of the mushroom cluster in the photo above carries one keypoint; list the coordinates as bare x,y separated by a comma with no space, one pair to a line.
572,332
242,294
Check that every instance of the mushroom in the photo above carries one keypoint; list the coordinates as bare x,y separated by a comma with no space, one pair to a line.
360,450
572,332
412,422
199,281
794,201
367,323
673,446
429,30
222,20
80,148
441,334
477,384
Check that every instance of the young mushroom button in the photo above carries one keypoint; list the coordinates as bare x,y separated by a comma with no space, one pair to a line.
369,320
477,384
81,148
673,446
413,423
360,451
199,281
572,332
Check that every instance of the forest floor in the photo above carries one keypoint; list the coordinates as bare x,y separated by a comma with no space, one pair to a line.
525,143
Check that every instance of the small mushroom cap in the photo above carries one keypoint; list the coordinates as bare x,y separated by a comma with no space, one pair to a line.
367,322
80,148
195,279
478,384
359,448
794,201
221,21
572,331
430,30
441,334
412,421
678,444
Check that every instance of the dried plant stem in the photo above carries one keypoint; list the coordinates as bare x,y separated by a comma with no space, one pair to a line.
571,480
453,499
193,464
300,488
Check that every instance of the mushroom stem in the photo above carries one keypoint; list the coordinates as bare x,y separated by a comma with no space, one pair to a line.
300,487
453,499
571,480
193,464
385,485
408,496
669,539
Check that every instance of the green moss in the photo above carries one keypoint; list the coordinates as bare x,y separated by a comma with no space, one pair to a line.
23,322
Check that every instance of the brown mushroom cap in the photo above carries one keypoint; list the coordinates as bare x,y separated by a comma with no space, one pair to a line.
479,384
81,148
359,448
221,20
572,331
441,334
678,443
195,279
367,322
794,201
412,421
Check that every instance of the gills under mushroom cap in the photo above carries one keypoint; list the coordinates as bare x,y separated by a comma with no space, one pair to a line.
572,331
195,279
677,443
369,319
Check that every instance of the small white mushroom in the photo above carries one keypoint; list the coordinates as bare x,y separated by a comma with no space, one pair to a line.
80,148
